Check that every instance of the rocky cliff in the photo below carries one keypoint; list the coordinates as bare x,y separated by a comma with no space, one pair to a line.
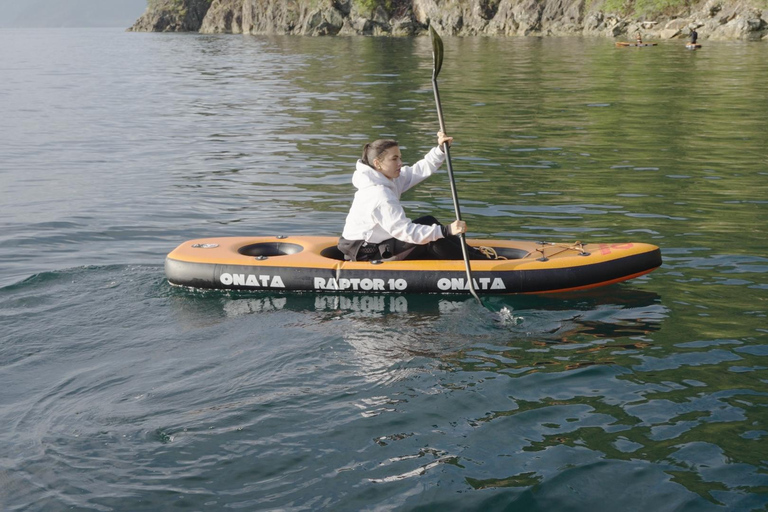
172,16
713,19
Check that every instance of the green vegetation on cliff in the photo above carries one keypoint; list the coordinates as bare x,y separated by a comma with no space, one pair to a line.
392,7
646,7
669,8
177,7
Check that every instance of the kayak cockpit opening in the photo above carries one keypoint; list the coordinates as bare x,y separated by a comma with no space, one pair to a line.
333,253
510,253
270,249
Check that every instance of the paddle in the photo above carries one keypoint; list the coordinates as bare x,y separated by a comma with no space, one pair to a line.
437,63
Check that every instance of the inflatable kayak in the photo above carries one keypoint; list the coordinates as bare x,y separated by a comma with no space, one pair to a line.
693,46
313,263
625,44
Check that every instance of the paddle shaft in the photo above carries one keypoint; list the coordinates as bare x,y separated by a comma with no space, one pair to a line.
455,196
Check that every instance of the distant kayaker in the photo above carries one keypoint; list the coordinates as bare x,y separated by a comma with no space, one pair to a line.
694,36
377,227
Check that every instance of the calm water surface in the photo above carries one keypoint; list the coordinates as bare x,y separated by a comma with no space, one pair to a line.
118,392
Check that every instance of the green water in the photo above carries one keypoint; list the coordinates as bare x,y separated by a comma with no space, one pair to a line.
119,392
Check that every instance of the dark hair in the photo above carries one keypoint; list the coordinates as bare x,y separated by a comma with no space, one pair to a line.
372,150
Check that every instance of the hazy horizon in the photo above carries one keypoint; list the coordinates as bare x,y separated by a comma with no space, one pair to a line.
71,13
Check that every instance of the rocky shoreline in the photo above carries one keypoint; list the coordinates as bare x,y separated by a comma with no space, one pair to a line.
713,19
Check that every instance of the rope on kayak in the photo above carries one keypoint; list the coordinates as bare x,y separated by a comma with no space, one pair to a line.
576,246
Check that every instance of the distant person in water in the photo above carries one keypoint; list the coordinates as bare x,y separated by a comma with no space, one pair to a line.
639,38
377,227
694,36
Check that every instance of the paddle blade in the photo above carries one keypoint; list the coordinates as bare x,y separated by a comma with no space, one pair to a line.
437,52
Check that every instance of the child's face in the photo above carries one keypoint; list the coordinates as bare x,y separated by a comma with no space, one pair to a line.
389,163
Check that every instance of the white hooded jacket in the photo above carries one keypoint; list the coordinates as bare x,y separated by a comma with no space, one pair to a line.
376,214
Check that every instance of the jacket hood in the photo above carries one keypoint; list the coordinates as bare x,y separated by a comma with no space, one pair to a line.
366,176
